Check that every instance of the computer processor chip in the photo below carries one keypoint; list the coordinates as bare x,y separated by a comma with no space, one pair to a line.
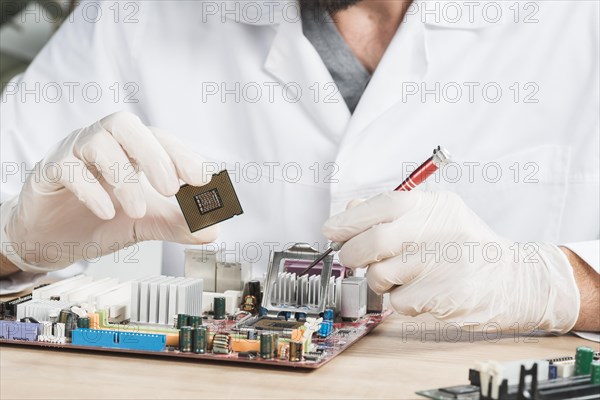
203,206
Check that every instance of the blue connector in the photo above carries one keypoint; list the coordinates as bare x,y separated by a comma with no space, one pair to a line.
327,325
119,340
16,330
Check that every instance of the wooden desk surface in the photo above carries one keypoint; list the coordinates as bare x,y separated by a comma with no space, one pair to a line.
385,364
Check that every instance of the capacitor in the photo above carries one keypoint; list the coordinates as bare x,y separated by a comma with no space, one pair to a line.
68,318
328,314
185,339
252,288
327,325
182,320
63,316
595,367
295,351
83,322
266,346
325,329
199,340
219,308
583,360
275,345
194,321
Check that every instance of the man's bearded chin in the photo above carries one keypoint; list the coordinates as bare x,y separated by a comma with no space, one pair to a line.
330,6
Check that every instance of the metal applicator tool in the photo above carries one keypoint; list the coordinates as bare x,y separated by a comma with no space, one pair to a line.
439,158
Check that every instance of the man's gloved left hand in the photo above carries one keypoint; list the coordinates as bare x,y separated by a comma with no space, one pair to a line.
435,255
102,188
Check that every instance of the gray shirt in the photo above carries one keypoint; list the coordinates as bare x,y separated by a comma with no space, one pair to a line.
350,76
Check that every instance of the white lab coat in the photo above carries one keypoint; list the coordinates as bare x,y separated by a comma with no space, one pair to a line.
541,134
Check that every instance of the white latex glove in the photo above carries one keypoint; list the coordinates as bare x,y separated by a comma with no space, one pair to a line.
434,255
102,188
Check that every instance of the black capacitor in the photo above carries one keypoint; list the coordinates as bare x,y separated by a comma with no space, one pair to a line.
185,339
199,340
266,346
583,360
219,311
194,321
68,318
252,288
182,320
275,345
295,351
83,322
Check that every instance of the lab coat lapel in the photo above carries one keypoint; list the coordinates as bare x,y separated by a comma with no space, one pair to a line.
405,60
293,61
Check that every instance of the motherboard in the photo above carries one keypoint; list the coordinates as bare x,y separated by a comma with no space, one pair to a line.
558,378
215,312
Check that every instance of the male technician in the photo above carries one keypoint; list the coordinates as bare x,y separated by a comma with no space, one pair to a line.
308,114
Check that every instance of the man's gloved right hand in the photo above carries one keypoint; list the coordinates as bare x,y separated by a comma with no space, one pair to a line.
435,255
102,188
